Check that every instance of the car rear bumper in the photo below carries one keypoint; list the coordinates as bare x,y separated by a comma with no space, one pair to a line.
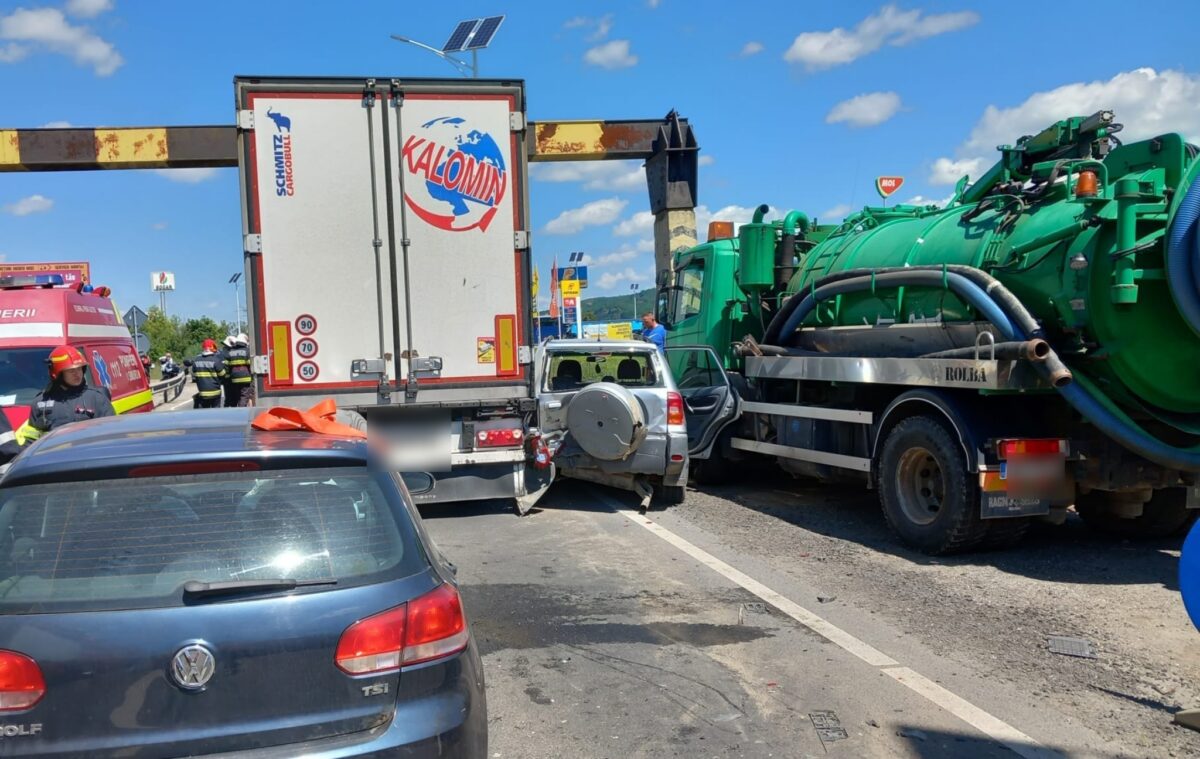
441,712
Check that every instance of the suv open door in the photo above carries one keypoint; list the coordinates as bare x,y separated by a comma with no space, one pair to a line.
709,400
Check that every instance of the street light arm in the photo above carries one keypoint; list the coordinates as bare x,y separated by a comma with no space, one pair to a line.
462,67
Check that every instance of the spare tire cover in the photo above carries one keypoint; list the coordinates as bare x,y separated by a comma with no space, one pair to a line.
606,420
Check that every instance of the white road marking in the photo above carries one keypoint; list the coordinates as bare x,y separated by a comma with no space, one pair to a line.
984,722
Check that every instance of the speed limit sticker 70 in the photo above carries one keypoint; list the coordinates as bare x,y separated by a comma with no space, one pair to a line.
306,347
306,324
307,371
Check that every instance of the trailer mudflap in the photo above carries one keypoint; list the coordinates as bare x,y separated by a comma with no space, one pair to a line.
998,502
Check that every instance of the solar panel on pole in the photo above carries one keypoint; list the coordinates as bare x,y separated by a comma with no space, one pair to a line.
485,32
458,38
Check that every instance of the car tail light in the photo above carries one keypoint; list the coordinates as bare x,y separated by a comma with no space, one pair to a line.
21,683
1012,448
502,438
675,409
426,628
373,644
436,626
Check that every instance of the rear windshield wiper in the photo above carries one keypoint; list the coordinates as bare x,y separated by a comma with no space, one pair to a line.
197,589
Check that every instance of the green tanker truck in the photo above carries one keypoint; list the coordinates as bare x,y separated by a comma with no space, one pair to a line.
1032,346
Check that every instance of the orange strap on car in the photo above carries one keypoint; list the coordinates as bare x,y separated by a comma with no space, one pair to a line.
319,419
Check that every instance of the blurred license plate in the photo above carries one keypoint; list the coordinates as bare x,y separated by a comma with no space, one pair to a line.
1033,474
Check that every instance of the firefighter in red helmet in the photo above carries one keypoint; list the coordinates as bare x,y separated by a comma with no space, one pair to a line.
208,369
68,398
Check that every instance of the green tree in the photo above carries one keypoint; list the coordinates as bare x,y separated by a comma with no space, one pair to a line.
164,333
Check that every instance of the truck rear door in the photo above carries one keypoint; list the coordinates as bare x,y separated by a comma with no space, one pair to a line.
385,235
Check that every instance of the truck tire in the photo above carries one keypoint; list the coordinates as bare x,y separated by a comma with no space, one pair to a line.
606,421
1164,515
928,497
670,495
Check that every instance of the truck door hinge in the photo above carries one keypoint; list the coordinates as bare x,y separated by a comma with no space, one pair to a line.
252,243
516,121
245,120
524,355
521,239
260,365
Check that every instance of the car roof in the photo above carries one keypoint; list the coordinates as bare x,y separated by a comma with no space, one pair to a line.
105,447
599,345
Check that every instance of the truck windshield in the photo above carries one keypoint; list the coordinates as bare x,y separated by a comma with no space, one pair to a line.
23,374
571,370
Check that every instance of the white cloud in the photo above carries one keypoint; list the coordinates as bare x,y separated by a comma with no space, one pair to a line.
48,28
88,8
653,3
638,224
187,176
870,109
752,48
576,22
837,213
31,204
890,26
706,160
921,200
158,226
1146,101
56,125
596,213
600,25
608,259
12,52
613,54
610,176
603,27
947,171
610,279
645,246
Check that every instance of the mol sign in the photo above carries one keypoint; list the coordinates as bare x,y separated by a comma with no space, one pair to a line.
886,186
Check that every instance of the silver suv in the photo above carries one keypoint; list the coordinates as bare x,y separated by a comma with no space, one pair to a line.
612,414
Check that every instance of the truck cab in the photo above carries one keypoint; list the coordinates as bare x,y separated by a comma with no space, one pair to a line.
37,314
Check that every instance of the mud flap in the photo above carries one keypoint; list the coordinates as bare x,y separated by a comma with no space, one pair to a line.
536,483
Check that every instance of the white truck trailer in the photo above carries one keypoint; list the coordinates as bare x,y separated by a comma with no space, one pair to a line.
386,232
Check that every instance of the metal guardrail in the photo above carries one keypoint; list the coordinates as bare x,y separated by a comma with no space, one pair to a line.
170,388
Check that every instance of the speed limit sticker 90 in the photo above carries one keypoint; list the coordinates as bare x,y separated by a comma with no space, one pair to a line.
306,347
307,371
306,324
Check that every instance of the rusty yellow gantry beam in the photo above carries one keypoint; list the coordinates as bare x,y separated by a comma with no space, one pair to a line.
667,146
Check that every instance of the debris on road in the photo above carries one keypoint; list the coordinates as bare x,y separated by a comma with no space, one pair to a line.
829,727
826,599
1069,646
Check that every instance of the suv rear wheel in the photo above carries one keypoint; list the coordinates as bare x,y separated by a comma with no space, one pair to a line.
670,495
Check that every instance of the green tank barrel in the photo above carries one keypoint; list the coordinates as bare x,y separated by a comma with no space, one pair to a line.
1076,226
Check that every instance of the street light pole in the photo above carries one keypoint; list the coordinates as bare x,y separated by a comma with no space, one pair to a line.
635,289
237,300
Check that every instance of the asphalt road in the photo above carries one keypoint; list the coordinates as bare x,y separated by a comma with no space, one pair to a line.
606,633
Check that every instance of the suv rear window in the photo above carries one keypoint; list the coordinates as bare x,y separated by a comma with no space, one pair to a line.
133,543
573,370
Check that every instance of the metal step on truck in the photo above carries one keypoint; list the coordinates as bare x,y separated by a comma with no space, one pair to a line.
386,246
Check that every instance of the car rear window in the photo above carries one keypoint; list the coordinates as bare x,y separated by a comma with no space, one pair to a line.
133,543
573,370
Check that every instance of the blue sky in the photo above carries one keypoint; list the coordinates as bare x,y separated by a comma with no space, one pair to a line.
795,105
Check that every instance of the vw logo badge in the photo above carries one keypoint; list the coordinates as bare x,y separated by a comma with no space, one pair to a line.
193,667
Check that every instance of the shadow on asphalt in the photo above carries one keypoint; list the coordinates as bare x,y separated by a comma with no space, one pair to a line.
941,744
1065,553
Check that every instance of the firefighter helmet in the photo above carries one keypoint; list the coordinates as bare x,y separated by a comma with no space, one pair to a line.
65,357
210,346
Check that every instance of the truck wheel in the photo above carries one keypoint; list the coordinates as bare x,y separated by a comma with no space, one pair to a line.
1164,515
670,495
927,494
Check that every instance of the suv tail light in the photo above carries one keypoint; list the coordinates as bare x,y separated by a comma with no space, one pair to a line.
426,628
21,683
675,409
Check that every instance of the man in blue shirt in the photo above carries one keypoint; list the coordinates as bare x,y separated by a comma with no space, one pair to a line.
653,332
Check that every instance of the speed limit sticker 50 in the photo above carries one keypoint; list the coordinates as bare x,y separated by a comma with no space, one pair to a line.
307,371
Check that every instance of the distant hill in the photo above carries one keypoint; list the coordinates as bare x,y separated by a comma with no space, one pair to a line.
616,307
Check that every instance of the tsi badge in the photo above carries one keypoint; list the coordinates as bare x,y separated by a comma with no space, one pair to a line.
193,667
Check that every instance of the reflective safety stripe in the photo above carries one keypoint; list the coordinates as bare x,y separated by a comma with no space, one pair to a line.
129,402
242,380
208,393
7,437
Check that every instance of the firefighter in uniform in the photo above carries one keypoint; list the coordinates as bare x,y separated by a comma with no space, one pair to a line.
239,388
209,371
67,398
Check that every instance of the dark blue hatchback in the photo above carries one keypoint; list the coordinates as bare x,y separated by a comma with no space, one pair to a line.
182,584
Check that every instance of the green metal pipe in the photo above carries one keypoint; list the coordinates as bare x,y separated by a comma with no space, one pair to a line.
1128,195
789,222
1050,238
